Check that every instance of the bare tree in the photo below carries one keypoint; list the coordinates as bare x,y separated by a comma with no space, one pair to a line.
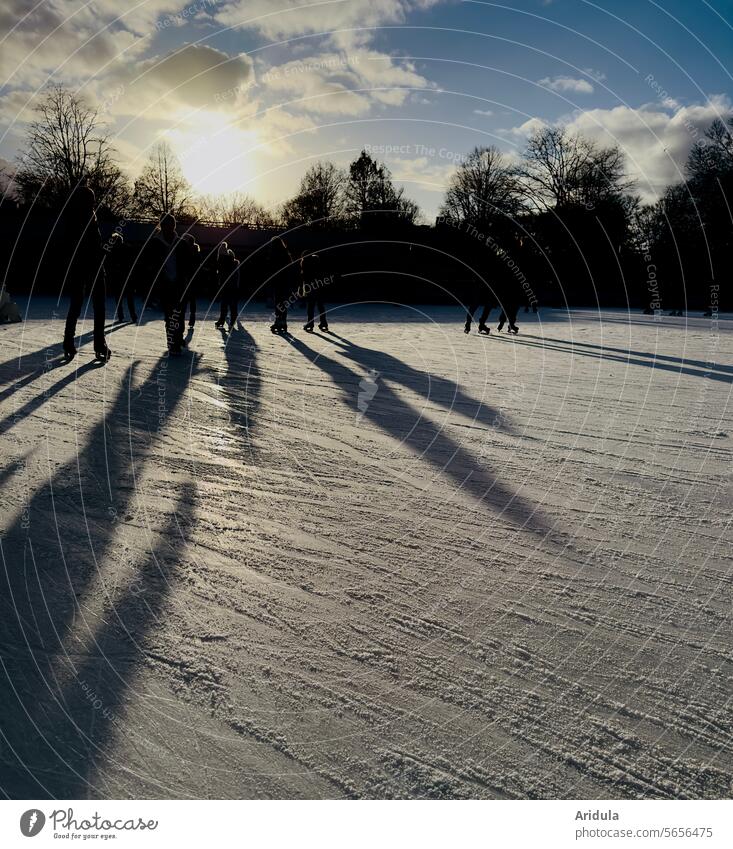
320,198
483,189
563,170
161,186
235,209
67,147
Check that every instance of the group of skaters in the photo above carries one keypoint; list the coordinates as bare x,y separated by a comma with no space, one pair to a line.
173,265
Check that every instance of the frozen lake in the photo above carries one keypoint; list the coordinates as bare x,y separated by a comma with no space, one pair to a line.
394,561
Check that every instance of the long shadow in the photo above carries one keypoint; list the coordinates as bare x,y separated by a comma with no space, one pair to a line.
438,390
12,467
25,368
36,403
241,382
653,355
54,550
397,418
680,369
89,704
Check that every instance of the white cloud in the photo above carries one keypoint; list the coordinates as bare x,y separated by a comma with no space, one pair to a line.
656,139
567,84
525,130
428,174
294,18
485,112
70,40
347,84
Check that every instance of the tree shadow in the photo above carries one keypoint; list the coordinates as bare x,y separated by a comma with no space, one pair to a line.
386,410
56,548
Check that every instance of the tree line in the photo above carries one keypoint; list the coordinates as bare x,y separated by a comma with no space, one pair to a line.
569,199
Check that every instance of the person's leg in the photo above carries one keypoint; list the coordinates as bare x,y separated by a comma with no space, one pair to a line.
222,309
485,314
99,304
311,302
281,314
76,300
130,296
119,292
322,321
502,320
233,308
167,317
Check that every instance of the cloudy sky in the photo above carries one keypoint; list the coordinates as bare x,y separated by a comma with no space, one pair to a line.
250,92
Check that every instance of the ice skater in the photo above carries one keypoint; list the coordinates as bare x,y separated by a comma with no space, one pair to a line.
285,283
85,272
229,284
117,266
191,254
314,279
166,257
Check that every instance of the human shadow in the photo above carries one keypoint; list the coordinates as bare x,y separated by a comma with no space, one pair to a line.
442,391
91,685
241,382
386,410
25,368
628,352
572,349
58,546
38,401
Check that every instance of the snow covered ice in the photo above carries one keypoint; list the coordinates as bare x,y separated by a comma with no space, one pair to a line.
395,561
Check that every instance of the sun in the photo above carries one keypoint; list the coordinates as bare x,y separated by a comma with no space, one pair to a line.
216,157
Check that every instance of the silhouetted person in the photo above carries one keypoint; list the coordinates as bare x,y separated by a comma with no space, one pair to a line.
85,271
229,284
315,278
510,292
165,250
119,278
191,256
285,283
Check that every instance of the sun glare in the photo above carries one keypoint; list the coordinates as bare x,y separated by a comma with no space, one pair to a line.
215,156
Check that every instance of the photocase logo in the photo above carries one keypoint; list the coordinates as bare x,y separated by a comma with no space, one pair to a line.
367,390
32,822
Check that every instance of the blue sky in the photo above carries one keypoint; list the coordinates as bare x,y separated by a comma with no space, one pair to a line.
250,92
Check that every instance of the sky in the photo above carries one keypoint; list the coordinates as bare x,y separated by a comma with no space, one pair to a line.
252,92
